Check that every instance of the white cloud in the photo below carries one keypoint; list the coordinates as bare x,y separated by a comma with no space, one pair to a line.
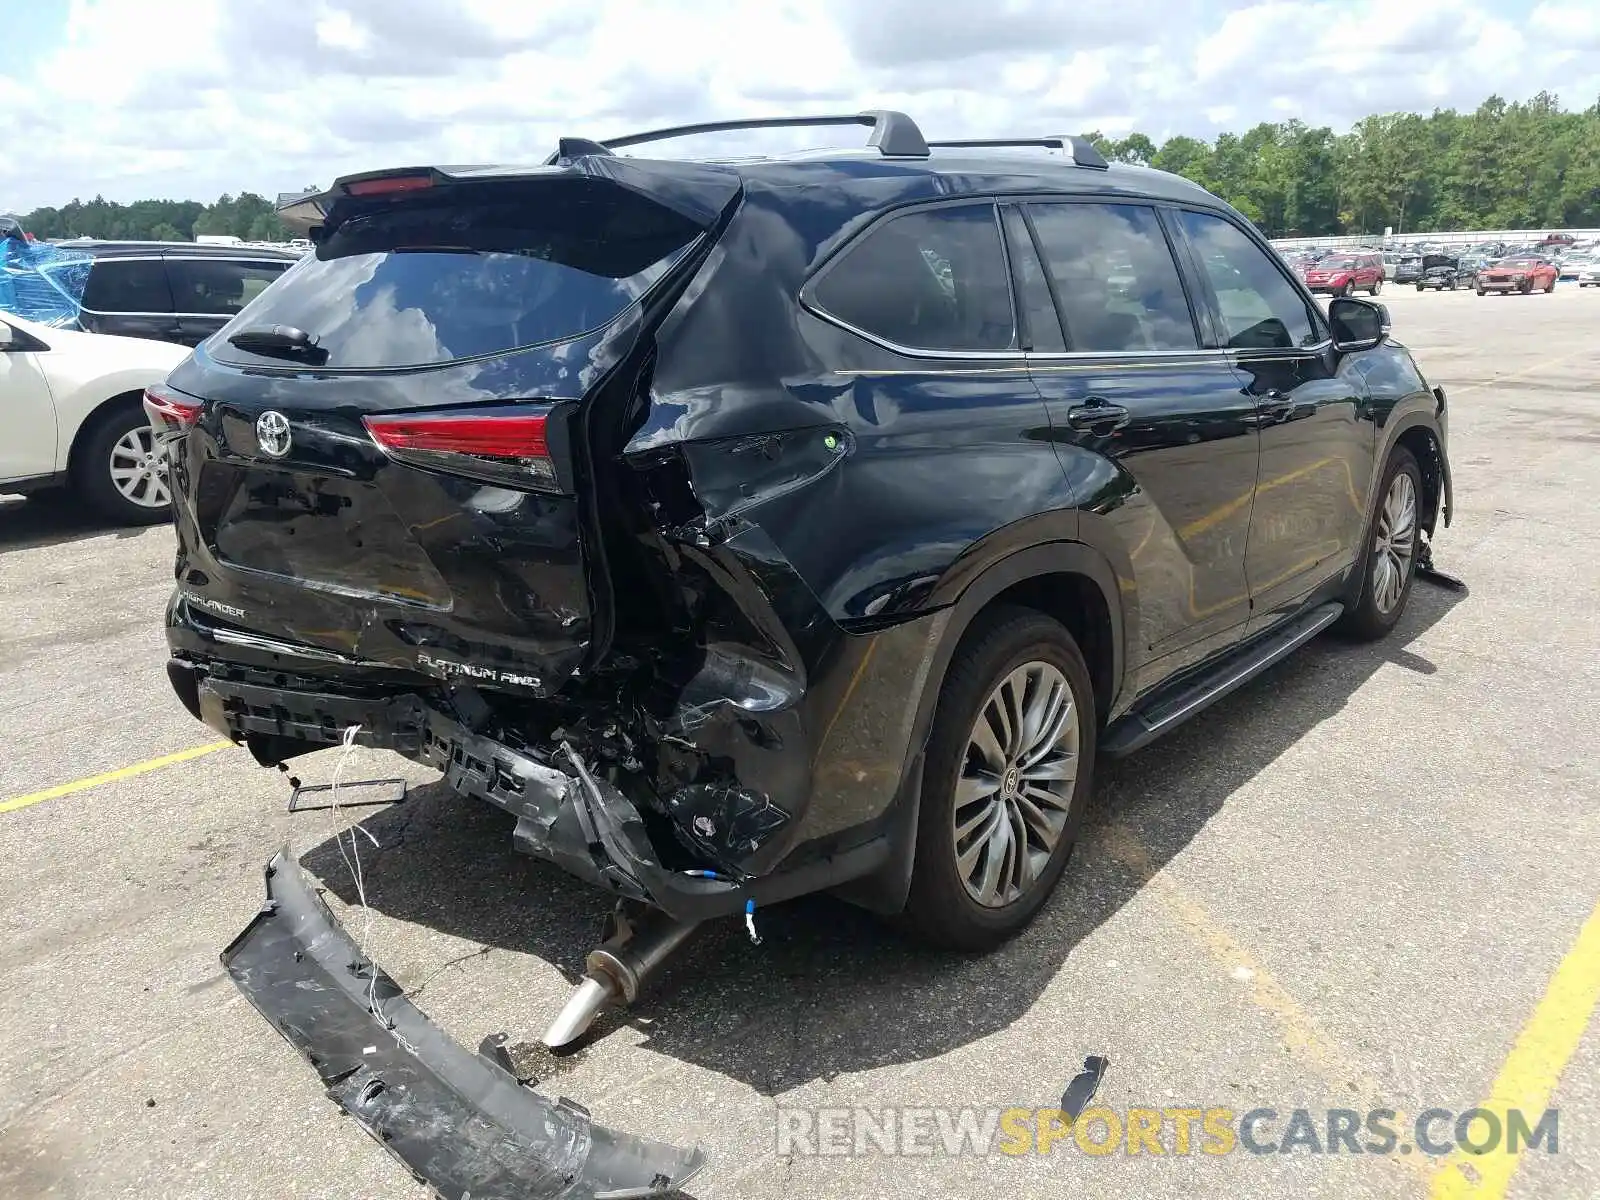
226,95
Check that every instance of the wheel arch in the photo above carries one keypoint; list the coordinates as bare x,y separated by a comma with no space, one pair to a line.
1069,581
1422,438
93,418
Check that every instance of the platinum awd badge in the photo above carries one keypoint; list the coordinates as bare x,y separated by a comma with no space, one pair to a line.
272,433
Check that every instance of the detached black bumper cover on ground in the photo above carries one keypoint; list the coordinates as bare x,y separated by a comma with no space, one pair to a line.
459,1121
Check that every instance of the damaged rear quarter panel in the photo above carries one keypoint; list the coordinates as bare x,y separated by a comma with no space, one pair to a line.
830,487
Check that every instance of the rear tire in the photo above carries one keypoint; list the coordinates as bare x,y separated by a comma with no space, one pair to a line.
1387,566
1377,287
992,838
117,470
1549,287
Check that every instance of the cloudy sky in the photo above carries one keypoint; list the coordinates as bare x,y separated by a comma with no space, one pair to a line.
190,98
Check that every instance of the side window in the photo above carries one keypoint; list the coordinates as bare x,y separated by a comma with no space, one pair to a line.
929,280
218,287
1258,304
1033,290
127,286
1115,278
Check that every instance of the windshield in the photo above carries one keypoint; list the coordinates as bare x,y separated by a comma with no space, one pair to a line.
469,270
1337,264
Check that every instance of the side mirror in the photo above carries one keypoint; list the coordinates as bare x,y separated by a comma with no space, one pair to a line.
1357,324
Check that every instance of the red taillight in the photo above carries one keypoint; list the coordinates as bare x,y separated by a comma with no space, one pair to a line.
388,185
506,448
170,412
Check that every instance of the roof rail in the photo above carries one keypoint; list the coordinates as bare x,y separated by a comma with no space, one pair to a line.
894,135
1079,148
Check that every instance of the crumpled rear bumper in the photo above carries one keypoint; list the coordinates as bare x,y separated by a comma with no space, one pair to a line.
459,1121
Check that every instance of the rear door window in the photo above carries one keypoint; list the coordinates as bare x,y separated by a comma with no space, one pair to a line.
928,280
216,286
469,270
1115,278
135,285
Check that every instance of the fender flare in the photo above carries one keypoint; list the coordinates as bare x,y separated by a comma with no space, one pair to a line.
1051,558
885,890
1415,419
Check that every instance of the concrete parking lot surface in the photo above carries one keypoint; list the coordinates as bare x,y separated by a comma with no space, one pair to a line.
1360,883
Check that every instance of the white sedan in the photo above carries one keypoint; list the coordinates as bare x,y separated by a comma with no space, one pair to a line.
70,413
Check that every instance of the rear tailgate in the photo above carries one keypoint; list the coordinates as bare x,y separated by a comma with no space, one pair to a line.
399,481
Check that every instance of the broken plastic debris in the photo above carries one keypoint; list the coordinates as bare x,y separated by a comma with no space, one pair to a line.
1083,1086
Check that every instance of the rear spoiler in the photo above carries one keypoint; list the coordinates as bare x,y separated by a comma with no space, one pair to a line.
698,191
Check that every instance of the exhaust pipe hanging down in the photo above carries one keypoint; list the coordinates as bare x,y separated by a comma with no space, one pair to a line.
618,969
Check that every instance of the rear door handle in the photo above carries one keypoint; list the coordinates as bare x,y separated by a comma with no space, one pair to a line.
1098,416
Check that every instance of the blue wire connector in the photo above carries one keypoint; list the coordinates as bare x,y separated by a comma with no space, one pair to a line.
750,922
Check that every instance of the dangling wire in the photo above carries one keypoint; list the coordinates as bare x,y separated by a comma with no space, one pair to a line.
352,863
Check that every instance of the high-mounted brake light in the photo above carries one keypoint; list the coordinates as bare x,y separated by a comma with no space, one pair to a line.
388,185
171,413
512,449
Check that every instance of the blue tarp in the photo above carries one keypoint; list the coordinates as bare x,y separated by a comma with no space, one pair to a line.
42,283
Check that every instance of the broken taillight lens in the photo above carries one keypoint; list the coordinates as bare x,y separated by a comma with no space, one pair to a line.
507,448
172,414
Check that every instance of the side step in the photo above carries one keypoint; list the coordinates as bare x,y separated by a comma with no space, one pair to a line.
1167,712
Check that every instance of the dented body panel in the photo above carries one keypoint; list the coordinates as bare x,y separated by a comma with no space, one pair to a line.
727,621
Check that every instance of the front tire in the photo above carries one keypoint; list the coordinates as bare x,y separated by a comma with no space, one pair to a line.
1377,287
1009,769
1344,290
118,469
1387,566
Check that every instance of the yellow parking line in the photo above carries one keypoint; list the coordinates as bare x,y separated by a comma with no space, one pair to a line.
1545,365
151,764
1302,1036
1528,1079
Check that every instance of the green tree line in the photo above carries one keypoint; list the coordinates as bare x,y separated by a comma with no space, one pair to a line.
247,216
1504,166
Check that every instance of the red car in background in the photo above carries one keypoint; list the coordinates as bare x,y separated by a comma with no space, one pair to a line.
1341,274
1523,273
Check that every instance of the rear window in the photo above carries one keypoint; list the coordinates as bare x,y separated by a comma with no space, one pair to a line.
470,270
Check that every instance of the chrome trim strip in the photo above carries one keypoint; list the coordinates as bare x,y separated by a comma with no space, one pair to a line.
99,312
286,263
254,641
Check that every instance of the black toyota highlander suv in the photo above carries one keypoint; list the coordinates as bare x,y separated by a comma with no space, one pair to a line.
749,528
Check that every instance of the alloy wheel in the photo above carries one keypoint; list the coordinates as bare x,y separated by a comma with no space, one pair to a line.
139,469
1395,543
1015,790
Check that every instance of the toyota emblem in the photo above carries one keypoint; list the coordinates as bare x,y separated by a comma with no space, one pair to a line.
272,433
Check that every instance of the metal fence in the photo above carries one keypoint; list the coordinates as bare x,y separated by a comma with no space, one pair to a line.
1467,237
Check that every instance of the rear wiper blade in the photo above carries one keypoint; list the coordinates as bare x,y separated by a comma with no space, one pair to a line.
280,341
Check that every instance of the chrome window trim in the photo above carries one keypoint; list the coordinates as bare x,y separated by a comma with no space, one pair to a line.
116,258
100,312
